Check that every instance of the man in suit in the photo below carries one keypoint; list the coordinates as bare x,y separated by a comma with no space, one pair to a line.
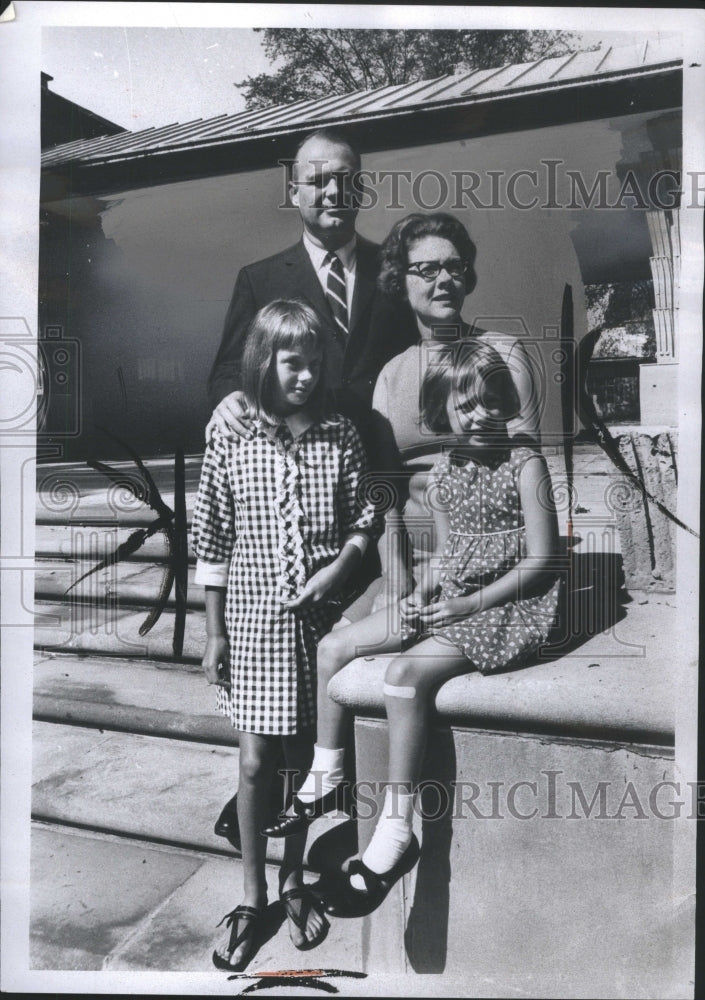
335,271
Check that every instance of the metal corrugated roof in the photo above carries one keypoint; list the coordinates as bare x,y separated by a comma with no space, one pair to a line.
465,87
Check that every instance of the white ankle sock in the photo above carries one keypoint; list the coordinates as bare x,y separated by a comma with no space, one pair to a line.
392,835
326,774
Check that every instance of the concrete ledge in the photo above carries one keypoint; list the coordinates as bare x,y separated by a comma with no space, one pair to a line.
108,630
522,885
127,583
137,696
616,686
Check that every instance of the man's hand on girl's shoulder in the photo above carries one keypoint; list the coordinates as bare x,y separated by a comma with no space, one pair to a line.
231,417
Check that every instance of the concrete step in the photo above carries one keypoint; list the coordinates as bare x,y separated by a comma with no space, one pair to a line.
72,492
157,789
118,904
84,541
140,696
97,510
132,583
113,629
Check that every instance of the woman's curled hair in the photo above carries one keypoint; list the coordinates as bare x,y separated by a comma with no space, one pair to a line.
394,252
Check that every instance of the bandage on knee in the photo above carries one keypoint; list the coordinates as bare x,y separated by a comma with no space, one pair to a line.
399,691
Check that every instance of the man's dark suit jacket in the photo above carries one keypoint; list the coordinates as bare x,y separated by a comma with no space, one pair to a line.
380,328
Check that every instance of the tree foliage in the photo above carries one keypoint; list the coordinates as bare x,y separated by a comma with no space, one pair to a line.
320,62
620,319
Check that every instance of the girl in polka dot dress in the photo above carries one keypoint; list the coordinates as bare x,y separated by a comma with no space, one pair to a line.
487,600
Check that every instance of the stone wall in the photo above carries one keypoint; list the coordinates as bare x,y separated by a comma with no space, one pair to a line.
647,536
525,887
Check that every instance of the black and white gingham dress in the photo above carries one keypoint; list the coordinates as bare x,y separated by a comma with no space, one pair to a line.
277,509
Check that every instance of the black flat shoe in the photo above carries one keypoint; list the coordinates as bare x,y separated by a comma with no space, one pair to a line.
354,902
250,918
304,814
227,824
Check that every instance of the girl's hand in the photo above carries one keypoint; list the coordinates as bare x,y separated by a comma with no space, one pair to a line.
410,606
321,585
216,661
446,612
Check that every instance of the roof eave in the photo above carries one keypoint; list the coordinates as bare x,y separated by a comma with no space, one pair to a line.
473,115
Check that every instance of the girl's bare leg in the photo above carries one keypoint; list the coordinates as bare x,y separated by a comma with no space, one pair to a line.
409,680
376,634
297,753
257,756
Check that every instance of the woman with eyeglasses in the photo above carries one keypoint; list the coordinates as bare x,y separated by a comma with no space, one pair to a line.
427,260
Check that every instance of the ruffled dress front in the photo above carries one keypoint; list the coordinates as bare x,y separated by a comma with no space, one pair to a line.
271,512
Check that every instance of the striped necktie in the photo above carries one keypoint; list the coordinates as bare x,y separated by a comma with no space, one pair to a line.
337,294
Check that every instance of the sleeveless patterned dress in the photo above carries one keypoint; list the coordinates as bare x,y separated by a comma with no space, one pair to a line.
487,538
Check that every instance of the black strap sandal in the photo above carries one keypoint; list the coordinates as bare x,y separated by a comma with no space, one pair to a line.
250,916
360,902
299,915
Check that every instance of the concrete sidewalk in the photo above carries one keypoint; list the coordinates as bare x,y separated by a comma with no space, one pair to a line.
106,906
111,903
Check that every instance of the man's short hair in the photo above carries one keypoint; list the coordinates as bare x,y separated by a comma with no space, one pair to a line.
335,136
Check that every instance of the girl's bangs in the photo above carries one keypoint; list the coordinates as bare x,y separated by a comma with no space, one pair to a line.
479,372
298,332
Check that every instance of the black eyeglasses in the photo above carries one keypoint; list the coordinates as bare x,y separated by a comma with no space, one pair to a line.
430,269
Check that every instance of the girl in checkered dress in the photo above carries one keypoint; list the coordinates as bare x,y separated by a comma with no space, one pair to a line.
278,528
